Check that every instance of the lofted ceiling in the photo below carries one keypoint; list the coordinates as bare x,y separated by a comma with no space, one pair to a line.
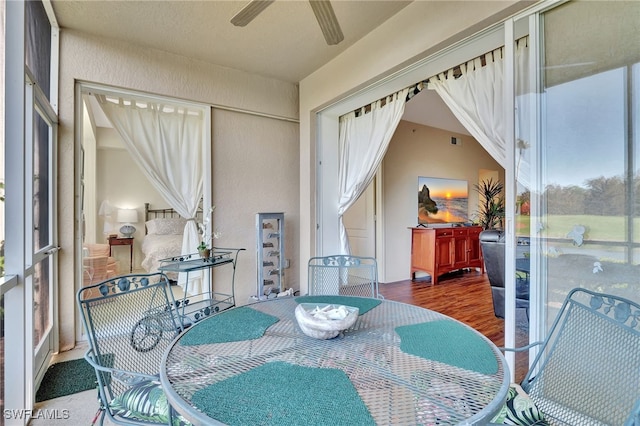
282,42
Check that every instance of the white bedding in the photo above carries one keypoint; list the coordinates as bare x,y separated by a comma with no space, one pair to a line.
158,247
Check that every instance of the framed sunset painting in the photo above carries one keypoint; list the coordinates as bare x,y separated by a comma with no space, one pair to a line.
442,200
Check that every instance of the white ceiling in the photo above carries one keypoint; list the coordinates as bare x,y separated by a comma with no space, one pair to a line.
283,42
428,108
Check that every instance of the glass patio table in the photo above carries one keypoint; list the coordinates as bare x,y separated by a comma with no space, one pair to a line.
398,364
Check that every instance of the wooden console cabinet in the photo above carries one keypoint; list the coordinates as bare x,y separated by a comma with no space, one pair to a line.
437,251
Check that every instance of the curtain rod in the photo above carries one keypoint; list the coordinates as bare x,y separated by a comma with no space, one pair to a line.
93,88
256,113
416,88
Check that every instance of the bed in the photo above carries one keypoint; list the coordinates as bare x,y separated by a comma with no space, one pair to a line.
163,237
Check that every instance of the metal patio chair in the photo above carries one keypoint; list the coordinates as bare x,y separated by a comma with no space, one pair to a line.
588,369
344,275
130,320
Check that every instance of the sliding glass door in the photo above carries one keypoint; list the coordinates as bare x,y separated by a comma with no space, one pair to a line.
589,189
576,191
31,233
40,220
572,178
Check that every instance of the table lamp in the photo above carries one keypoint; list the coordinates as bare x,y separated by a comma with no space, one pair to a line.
127,216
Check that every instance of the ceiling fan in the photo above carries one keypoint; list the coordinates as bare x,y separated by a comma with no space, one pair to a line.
321,8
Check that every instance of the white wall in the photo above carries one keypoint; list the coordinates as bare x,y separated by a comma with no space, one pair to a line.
255,170
417,150
120,64
416,32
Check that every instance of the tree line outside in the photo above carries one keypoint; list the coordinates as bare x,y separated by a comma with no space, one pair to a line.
600,205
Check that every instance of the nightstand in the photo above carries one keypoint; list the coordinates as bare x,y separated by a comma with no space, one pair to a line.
123,242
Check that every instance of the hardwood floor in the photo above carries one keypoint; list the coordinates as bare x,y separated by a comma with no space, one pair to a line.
465,296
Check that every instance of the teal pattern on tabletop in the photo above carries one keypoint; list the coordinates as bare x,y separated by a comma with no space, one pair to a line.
450,343
364,304
312,396
234,325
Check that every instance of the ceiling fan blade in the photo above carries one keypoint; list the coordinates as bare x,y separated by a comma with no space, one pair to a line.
327,21
249,12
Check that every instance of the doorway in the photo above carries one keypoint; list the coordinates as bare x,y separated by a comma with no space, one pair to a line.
360,223
327,235
114,188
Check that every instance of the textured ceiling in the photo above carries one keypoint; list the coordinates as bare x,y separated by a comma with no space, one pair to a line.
283,42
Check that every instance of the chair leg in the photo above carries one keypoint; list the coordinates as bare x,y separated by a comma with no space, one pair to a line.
100,413
173,416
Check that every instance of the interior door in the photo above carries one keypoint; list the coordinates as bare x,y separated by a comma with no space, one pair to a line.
360,223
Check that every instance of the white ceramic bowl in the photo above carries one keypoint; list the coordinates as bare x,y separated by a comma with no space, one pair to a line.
321,328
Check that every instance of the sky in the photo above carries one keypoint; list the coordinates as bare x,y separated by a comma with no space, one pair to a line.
585,127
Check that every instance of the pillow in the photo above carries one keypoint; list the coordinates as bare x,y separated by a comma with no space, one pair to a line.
519,410
145,401
166,226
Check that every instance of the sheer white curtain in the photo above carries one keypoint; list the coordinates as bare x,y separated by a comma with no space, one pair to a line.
166,142
524,101
363,141
476,99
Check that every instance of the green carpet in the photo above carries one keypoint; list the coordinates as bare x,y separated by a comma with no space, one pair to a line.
233,325
450,343
364,304
278,393
66,378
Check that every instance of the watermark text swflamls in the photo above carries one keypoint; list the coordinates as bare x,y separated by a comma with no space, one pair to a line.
44,414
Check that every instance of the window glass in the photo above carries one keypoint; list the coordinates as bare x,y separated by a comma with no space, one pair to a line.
589,146
41,300
41,183
38,55
635,139
2,175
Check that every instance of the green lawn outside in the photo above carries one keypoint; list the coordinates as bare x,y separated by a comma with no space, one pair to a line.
603,228
572,266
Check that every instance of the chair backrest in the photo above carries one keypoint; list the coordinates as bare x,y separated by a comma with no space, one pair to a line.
493,248
589,369
344,275
493,252
129,322
97,249
95,269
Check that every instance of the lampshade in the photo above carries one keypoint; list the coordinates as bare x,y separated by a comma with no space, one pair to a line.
127,216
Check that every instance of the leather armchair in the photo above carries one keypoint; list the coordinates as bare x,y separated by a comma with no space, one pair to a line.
493,250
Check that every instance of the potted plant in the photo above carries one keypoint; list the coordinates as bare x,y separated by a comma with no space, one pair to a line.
203,248
491,212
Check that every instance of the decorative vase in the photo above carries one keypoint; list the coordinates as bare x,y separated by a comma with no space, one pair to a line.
204,253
